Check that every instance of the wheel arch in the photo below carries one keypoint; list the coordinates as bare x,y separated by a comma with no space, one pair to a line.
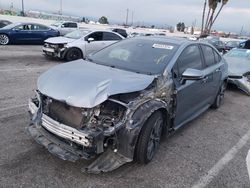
8,35
128,137
73,47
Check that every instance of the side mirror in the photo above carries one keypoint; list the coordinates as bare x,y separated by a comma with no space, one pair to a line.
62,26
192,74
90,40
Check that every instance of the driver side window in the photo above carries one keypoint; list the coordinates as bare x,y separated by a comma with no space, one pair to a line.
189,58
97,36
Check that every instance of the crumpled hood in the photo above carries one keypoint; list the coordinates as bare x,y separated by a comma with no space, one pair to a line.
237,66
84,84
59,40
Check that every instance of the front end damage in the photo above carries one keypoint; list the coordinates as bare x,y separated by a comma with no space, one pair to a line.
242,82
54,50
107,132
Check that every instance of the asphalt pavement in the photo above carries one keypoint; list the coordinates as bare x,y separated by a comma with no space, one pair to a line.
210,151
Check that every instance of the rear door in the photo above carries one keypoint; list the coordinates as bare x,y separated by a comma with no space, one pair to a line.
191,95
212,71
110,38
39,32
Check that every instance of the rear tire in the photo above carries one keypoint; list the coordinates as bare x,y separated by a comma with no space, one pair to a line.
220,96
149,138
74,54
4,39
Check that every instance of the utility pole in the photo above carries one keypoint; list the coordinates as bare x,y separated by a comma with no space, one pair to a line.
132,22
60,11
241,31
22,13
127,16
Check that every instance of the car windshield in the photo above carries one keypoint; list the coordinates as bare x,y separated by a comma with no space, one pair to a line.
139,55
77,34
243,53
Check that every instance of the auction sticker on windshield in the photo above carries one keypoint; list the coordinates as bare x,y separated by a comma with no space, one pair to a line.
163,46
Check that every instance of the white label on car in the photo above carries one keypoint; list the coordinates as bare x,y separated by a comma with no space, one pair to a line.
163,46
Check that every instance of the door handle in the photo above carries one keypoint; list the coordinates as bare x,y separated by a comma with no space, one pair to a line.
217,70
204,80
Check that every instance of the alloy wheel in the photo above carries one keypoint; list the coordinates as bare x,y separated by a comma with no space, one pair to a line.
4,39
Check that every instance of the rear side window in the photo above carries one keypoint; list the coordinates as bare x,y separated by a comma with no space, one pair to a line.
39,27
217,57
208,53
110,36
190,58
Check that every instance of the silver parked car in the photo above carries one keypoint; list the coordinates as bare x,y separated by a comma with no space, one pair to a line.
117,104
79,43
239,68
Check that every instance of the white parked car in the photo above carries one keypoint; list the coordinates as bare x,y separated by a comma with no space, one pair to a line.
80,43
65,27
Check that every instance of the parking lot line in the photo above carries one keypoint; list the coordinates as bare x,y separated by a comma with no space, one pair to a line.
215,170
26,69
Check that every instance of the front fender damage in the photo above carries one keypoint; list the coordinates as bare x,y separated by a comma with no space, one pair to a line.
117,143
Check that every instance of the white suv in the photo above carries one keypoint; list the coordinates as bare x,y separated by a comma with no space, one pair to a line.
80,43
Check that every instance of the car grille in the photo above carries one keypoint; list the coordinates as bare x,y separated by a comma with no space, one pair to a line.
234,77
63,113
48,45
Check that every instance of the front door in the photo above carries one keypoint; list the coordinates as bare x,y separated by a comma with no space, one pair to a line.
190,95
95,45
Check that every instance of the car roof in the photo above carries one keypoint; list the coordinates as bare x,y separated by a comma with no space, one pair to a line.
100,30
173,40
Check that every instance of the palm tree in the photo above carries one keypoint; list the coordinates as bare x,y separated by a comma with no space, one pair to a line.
213,7
212,4
203,16
224,2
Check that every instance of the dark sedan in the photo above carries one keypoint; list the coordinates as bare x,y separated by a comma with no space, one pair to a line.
26,33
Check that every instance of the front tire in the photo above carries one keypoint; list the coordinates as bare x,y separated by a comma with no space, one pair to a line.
149,138
4,39
74,54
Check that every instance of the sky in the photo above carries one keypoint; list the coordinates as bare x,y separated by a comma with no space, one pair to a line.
234,16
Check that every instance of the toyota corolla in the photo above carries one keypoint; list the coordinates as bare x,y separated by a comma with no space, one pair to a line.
116,105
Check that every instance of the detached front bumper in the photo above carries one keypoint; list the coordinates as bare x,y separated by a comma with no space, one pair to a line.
64,141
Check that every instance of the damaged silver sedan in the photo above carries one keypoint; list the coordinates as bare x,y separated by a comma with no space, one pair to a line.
116,105
239,68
